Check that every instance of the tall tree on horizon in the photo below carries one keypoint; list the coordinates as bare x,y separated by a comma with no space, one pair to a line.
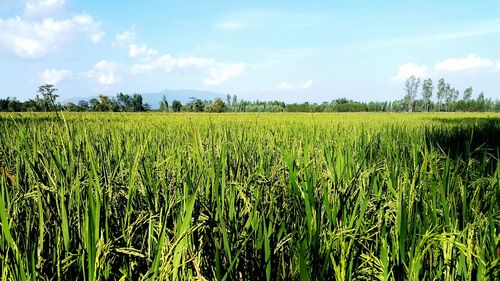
481,101
105,103
427,89
137,103
48,97
228,101
467,94
448,96
440,94
411,88
164,104
124,102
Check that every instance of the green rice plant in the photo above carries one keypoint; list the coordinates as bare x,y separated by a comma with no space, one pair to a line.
122,196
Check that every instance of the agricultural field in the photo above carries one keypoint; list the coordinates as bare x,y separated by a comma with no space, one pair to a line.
154,196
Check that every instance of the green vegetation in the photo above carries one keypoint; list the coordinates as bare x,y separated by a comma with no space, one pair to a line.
447,99
100,196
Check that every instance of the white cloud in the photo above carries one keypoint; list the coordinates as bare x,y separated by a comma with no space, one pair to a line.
223,72
470,62
28,39
143,50
40,7
125,38
168,63
28,47
108,72
54,76
163,63
151,66
36,39
301,85
408,69
197,62
283,86
87,24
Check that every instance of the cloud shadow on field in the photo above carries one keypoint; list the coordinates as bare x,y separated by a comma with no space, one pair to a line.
462,137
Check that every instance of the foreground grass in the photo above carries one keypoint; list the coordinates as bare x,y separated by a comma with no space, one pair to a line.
250,196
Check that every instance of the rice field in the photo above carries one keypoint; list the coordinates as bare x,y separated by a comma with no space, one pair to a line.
101,196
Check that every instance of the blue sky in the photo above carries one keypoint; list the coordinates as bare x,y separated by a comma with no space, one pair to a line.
288,50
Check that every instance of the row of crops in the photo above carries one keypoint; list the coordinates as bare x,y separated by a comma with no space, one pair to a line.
249,196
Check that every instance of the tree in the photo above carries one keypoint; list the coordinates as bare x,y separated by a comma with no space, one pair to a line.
467,94
427,89
480,97
235,102
190,104
137,103
95,105
124,102
105,103
199,106
228,100
164,104
217,106
441,92
453,99
14,105
48,97
411,88
83,105
449,93
69,106
481,102
176,106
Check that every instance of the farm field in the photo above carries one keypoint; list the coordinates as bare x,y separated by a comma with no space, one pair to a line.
152,196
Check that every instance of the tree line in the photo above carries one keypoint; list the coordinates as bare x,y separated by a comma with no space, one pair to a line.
419,96
447,98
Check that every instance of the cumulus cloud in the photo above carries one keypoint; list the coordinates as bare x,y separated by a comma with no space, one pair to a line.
107,72
470,62
223,72
33,39
168,63
87,24
124,38
54,76
40,7
162,63
408,69
140,51
301,85
36,39
197,62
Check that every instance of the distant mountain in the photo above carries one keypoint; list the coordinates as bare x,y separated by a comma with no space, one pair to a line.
153,99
